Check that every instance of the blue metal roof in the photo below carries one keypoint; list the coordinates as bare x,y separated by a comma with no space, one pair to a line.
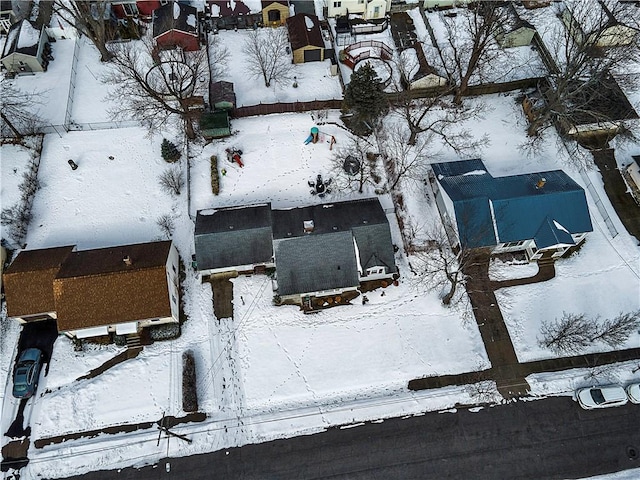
519,203
550,234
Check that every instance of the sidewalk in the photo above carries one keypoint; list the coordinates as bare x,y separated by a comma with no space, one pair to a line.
506,371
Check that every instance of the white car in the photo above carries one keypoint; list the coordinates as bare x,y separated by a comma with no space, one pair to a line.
633,392
601,397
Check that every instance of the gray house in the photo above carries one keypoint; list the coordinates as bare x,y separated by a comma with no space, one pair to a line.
236,238
318,251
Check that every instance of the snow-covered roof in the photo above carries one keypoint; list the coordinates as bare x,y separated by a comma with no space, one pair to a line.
22,37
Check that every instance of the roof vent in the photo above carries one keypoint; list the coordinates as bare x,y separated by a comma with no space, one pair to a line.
540,183
127,260
308,226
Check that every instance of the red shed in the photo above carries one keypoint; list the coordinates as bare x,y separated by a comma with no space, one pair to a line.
176,24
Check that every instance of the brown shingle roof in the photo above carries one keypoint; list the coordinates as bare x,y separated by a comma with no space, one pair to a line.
28,282
301,35
96,287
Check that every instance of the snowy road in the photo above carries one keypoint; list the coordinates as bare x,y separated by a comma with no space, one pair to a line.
551,438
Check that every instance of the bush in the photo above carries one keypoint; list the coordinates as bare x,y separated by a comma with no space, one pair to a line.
189,392
169,151
166,331
171,180
215,176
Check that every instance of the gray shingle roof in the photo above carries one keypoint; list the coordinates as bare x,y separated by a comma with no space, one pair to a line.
233,236
316,262
302,258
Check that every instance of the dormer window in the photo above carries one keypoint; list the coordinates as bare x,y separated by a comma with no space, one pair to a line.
376,271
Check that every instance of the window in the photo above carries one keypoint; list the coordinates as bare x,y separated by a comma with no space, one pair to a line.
376,271
514,244
130,9
376,12
337,4
274,15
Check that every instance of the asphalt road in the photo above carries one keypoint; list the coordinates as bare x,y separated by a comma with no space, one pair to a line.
551,438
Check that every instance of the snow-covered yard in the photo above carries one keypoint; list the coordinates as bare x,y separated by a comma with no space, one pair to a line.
272,371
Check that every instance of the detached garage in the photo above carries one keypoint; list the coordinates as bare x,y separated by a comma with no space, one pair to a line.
306,40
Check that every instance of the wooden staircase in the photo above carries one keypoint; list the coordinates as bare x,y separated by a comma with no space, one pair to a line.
133,340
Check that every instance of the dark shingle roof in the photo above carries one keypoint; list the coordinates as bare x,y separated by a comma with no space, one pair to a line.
328,217
315,263
304,30
165,20
300,256
519,207
24,29
233,236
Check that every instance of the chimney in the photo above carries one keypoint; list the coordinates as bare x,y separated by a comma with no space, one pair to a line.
127,260
540,183
308,226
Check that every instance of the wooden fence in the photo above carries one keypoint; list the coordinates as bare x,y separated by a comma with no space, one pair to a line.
267,108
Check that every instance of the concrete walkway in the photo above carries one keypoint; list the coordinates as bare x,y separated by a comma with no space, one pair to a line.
505,370
493,330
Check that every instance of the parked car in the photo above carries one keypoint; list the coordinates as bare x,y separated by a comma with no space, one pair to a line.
601,397
633,392
27,373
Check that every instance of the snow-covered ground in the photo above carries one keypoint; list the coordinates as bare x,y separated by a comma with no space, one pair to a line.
314,79
271,371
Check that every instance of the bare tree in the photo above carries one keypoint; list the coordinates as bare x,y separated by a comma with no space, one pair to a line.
568,334
355,165
469,45
573,332
580,87
402,160
439,267
616,331
166,224
267,55
153,86
172,181
18,111
91,18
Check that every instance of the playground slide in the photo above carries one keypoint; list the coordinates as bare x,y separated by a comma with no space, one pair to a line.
308,140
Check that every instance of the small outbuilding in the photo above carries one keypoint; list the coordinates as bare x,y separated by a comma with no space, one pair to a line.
222,96
25,49
306,40
275,12
176,25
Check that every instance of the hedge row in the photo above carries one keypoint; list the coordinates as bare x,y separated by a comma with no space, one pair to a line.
215,176
189,392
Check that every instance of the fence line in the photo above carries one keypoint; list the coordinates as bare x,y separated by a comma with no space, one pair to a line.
268,108
598,201
72,82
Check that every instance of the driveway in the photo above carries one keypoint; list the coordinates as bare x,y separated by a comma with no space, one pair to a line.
40,335
616,189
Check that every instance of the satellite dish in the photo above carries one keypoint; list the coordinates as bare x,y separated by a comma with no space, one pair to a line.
351,165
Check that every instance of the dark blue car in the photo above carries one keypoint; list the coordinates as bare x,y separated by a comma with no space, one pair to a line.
25,378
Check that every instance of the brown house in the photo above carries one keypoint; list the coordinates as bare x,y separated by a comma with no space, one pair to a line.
275,12
306,40
96,292
28,283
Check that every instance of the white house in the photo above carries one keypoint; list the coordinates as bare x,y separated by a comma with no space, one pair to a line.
369,9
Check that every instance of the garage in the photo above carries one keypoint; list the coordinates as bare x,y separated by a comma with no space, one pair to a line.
314,55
